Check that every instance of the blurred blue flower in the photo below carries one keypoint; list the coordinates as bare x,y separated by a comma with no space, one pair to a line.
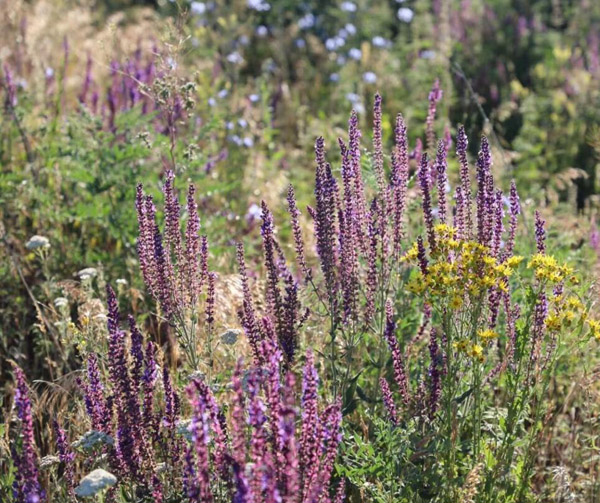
254,98
348,7
242,123
235,139
212,102
235,58
197,8
307,21
334,77
248,142
381,42
353,98
334,43
405,14
350,28
370,77
262,31
427,54
300,43
222,93
355,53
258,5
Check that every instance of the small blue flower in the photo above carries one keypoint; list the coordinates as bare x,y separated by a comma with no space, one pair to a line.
197,8
405,14
348,7
258,5
262,31
307,21
355,53
334,77
370,77
381,42
235,58
350,28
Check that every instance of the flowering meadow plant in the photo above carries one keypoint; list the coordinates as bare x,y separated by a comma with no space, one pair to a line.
436,346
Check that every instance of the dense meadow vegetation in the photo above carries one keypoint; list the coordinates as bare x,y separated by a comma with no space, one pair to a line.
273,251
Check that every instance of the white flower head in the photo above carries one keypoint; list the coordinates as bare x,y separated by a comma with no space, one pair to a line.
121,281
87,273
60,302
94,482
36,242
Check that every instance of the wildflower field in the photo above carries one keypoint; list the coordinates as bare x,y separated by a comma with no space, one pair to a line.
285,251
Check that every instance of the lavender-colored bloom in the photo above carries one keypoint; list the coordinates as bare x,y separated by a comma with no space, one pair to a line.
310,381
484,198
397,358
441,168
66,456
421,256
498,223
93,391
377,143
435,382
86,81
193,280
26,486
247,313
297,232
399,180
462,143
388,400
210,300
425,184
540,233
273,292
435,95
515,210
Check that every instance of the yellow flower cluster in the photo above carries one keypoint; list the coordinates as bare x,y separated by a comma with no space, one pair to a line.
594,326
487,334
457,266
565,312
547,268
475,351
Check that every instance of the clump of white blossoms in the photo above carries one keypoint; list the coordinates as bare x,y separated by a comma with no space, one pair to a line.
38,242
94,482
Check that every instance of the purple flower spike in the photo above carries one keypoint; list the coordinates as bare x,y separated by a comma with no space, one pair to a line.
540,233
397,358
26,486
